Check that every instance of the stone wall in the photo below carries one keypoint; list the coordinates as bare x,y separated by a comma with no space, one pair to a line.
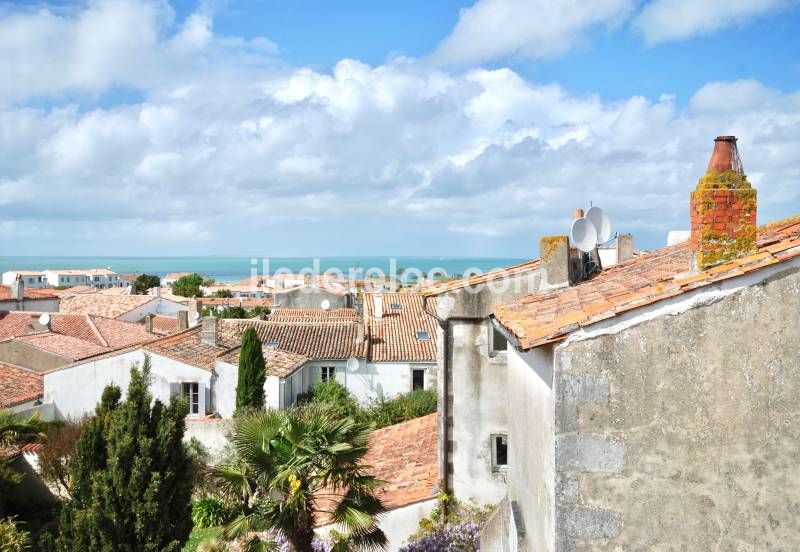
683,432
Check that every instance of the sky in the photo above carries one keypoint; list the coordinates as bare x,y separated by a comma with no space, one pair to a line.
319,128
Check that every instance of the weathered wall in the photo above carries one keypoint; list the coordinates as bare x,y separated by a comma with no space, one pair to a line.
213,434
28,356
158,305
33,305
309,298
683,432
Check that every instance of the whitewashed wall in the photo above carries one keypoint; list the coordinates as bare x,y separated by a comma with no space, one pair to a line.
397,524
75,391
158,305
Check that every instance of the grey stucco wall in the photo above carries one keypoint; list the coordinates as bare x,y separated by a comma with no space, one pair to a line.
309,298
28,356
683,432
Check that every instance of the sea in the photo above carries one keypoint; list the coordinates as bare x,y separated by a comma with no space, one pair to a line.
234,268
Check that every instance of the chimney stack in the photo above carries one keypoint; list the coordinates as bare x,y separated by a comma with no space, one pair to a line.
18,289
722,209
377,299
183,320
209,334
555,259
148,323
195,311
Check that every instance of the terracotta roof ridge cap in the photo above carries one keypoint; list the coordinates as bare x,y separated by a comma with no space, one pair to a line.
96,330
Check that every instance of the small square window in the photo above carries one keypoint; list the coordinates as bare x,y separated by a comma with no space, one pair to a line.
397,306
423,336
497,341
499,452
273,344
417,379
328,372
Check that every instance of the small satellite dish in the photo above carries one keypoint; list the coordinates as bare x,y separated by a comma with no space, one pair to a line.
44,319
352,364
583,234
325,304
601,223
195,315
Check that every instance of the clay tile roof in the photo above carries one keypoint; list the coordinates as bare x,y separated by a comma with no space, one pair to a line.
165,325
516,270
72,336
18,386
405,457
300,315
316,340
109,306
279,363
550,316
29,293
394,336
247,303
187,347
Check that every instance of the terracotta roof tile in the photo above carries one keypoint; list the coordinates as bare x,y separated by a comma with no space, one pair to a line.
187,347
109,306
18,386
300,315
394,336
549,316
165,325
331,339
279,363
508,272
28,293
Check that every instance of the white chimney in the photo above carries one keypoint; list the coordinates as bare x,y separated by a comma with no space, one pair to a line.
18,289
148,323
209,333
377,299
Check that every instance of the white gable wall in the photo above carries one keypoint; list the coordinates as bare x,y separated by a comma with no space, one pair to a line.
158,305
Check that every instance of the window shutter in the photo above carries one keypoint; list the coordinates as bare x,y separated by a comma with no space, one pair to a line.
174,389
201,397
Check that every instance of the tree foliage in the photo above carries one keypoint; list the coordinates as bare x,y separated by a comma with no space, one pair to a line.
223,293
252,373
188,286
296,465
144,282
130,475
15,430
60,443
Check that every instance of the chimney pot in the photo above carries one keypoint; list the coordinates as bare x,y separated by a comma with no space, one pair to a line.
195,311
148,323
722,209
209,333
377,300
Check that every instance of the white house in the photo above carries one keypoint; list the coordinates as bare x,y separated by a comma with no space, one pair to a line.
66,277
104,278
31,278
17,297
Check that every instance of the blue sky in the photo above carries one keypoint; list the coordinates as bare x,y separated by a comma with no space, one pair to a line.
277,127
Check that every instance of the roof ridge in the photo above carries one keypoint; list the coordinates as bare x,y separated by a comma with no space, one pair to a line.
96,331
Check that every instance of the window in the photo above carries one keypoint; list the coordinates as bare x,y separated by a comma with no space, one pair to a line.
423,336
397,306
328,372
273,344
499,452
497,341
191,392
417,379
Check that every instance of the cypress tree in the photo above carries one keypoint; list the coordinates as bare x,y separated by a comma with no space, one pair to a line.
132,478
252,373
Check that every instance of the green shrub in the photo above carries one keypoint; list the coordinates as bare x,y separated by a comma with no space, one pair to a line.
208,512
386,412
334,394
12,538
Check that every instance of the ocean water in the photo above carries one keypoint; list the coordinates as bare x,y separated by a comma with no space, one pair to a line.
231,269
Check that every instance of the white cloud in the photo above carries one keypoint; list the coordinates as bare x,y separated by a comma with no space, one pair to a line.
666,20
496,29
392,159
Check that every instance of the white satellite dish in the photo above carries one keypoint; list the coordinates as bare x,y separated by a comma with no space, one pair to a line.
583,234
44,319
352,364
601,223
195,315
325,304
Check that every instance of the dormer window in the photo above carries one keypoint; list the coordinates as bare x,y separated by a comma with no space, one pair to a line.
273,344
423,336
397,306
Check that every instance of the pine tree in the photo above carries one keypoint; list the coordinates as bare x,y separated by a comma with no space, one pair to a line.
131,475
252,373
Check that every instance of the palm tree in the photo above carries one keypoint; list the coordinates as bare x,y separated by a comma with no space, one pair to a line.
296,466
15,429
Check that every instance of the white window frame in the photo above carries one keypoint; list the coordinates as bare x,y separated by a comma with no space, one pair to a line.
413,371
194,392
493,443
327,372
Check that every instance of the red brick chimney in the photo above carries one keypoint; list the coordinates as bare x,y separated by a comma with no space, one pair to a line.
722,209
